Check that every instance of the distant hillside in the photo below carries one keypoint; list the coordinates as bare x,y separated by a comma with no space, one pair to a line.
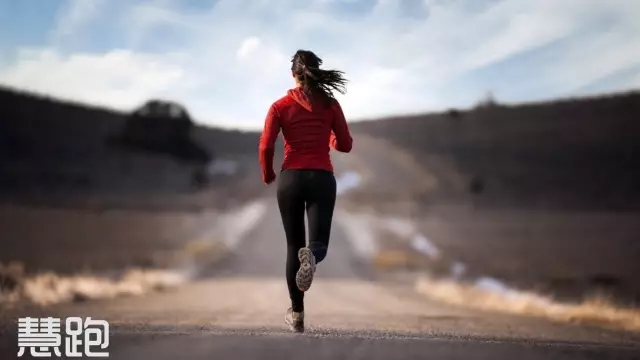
581,153
578,153
51,148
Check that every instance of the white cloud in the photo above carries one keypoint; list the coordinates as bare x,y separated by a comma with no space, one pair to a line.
248,47
228,61
119,78
74,15
587,62
635,81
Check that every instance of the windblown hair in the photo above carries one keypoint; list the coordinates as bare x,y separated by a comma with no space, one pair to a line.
305,65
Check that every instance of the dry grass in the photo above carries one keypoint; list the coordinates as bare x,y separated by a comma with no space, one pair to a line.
395,259
204,253
47,288
401,259
595,310
194,254
50,288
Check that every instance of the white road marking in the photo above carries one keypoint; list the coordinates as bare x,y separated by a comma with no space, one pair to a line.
347,181
237,224
421,244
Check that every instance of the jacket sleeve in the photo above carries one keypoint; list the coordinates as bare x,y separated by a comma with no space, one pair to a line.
340,136
267,140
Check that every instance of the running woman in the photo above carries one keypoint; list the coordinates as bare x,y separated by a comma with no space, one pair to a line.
311,121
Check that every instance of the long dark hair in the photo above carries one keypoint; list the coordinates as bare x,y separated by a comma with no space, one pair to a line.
305,65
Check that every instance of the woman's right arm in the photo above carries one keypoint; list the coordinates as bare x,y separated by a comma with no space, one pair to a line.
267,143
340,139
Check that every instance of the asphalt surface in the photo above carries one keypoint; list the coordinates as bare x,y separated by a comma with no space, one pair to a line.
340,346
238,313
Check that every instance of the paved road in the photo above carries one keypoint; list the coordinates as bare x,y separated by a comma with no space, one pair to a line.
238,314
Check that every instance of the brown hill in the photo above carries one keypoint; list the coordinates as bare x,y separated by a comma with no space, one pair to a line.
578,153
54,151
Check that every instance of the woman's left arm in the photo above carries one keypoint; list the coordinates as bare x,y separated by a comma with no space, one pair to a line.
267,144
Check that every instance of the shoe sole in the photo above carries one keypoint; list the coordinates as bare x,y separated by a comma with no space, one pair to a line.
292,327
304,276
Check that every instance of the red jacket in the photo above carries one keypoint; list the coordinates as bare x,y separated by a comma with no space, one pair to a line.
309,129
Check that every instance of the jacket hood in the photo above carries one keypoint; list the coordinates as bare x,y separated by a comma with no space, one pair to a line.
302,98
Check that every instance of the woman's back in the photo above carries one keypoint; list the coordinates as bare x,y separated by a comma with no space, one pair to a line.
309,126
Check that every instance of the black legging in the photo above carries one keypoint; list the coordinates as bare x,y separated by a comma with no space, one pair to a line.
315,191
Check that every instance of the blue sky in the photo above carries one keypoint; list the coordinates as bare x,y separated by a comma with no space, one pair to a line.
228,60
